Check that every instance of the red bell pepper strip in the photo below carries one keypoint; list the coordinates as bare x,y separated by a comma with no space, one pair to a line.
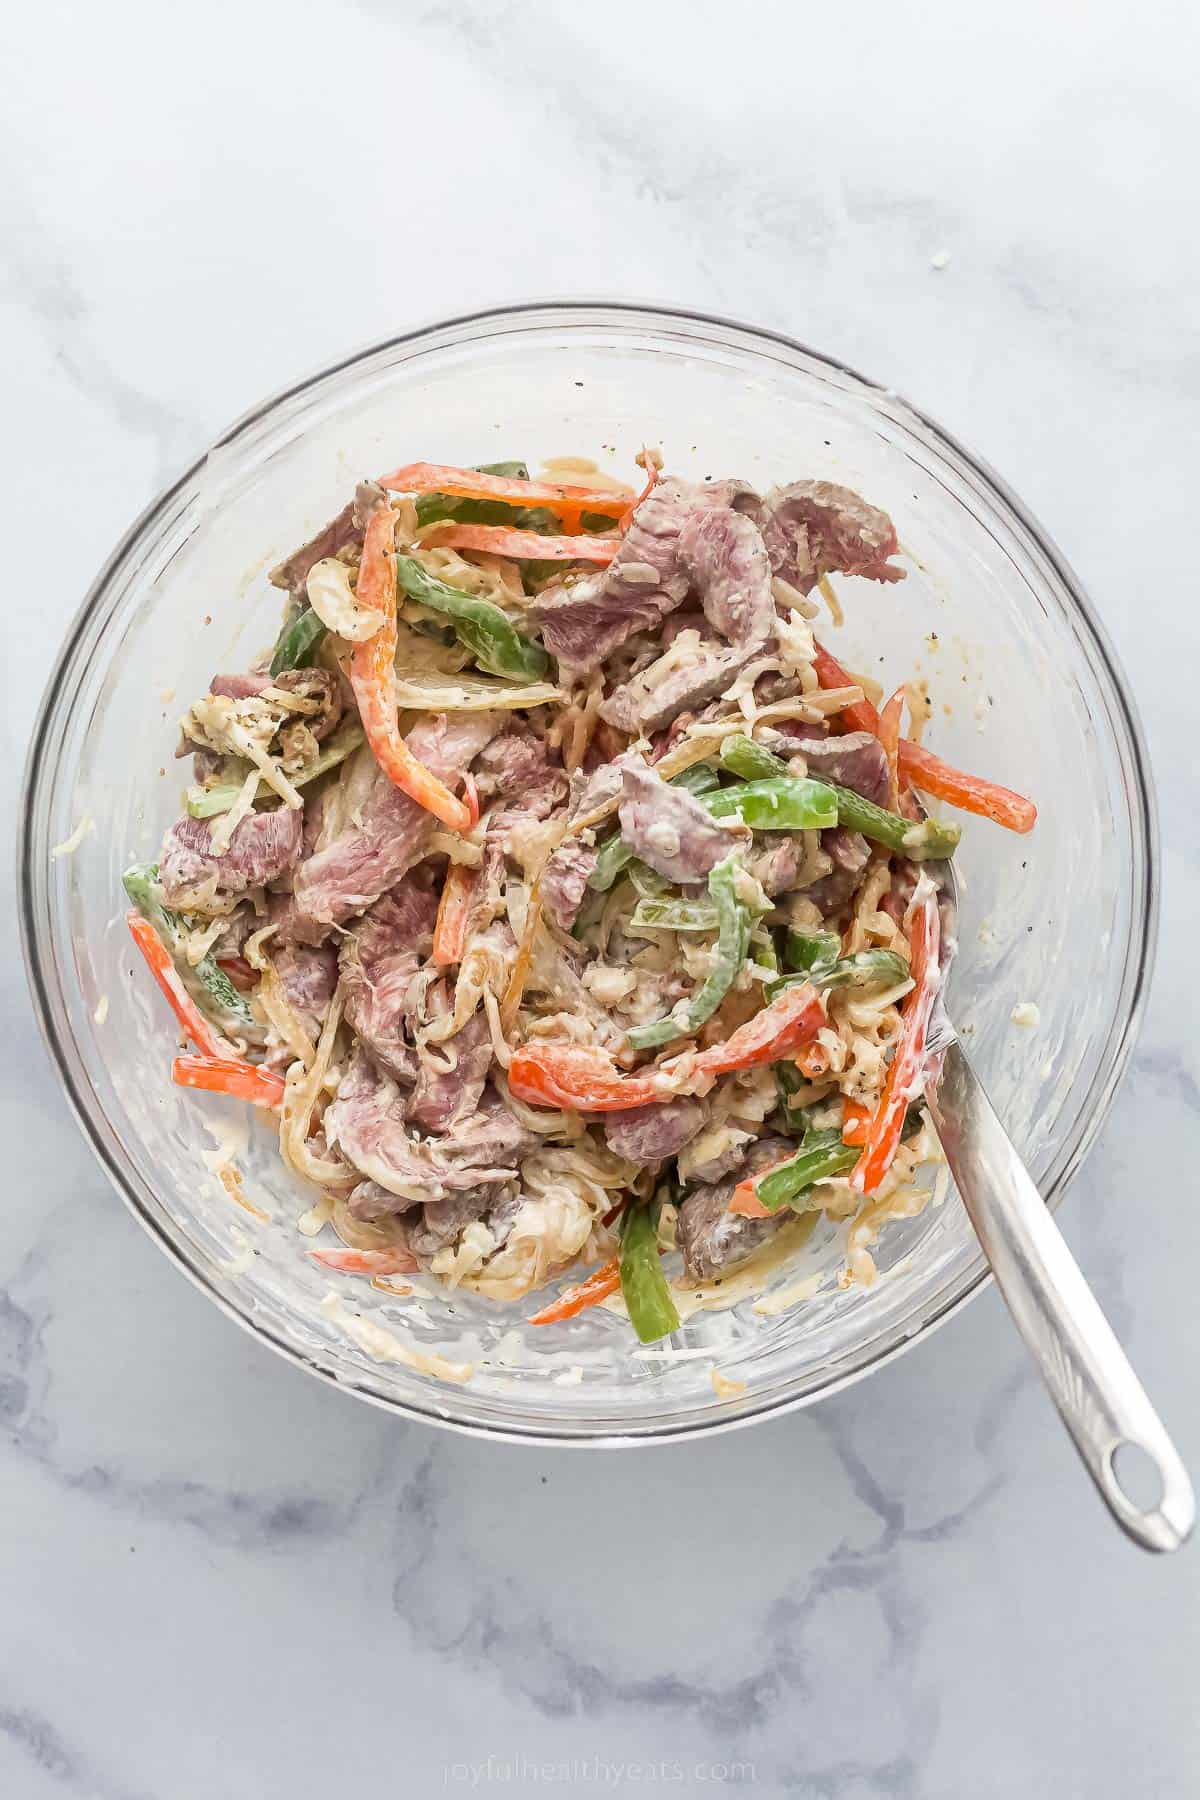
856,1119
745,1201
652,479
243,977
860,714
367,1262
583,1079
813,1061
792,1020
373,674
598,1286
925,770
229,1075
454,909
904,1077
471,799
474,484
577,1078
195,1026
504,540
971,792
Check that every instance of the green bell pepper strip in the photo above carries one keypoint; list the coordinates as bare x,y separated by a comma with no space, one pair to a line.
919,839
297,644
789,1081
751,761
776,805
802,951
615,855
487,632
674,915
207,802
869,968
207,982
733,940
612,859
821,1156
649,884
652,1311
700,779
762,944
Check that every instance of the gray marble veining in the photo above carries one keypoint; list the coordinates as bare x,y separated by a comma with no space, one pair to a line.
220,1578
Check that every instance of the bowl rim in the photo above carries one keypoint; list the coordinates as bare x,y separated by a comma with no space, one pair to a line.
1145,905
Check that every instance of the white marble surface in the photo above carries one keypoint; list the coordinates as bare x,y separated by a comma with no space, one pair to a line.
220,1578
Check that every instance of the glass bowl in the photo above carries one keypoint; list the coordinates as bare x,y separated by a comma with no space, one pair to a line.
1024,687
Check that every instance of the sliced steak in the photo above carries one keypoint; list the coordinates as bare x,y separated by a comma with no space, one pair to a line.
564,881
262,848
853,760
583,623
517,771
365,1121
850,854
778,863
671,830
368,858
239,687
710,1237
722,552
727,562
650,1134
308,975
378,961
815,528
443,1096
692,672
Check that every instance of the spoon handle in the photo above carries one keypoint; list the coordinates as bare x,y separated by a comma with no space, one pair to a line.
1100,1399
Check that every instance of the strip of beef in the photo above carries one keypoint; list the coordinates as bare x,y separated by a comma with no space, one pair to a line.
442,1220
815,528
727,563
710,1237
442,1097
671,830
853,760
599,786
371,1202
320,685
378,960
650,1134
239,687
693,671
564,881
345,530
850,854
776,865
365,1121
584,622
369,857
516,771
262,847
308,975
722,552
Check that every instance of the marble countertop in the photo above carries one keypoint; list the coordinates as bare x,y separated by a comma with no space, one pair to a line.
222,1578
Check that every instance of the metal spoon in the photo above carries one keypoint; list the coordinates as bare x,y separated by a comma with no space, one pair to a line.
1099,1398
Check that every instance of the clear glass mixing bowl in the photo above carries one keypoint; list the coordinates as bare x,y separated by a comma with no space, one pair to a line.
1024,688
